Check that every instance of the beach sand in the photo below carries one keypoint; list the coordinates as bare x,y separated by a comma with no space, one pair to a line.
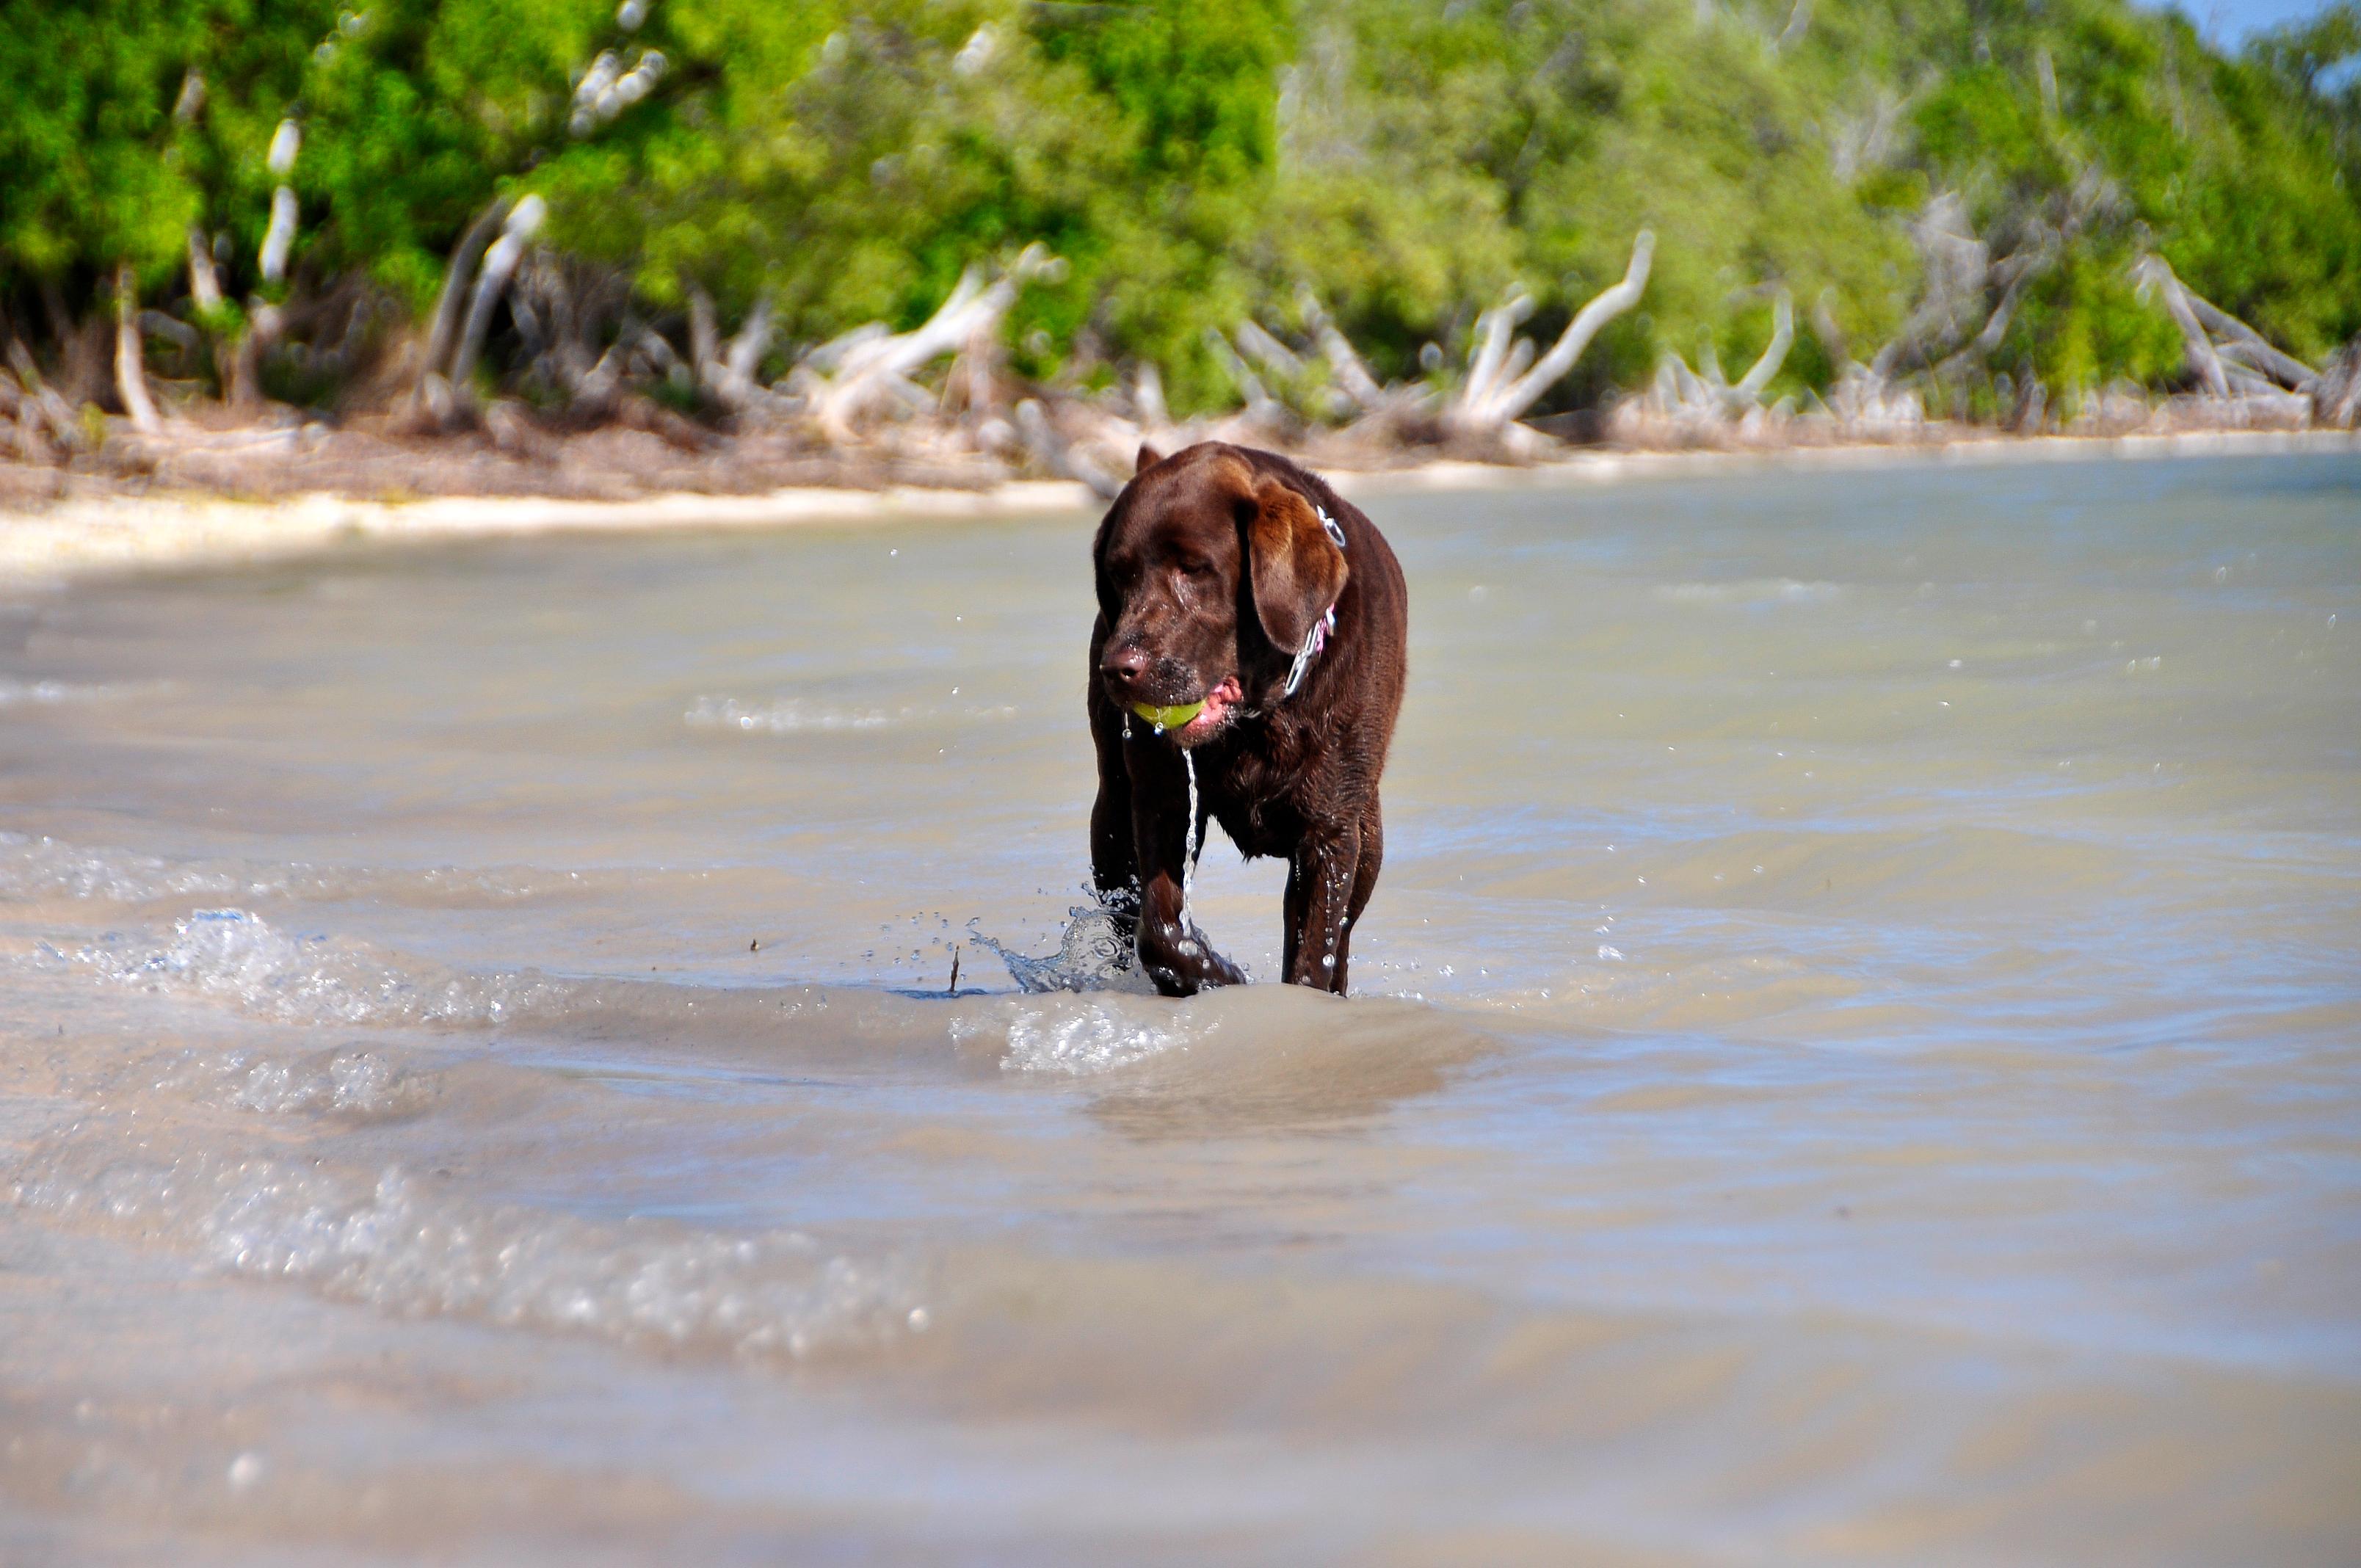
115,531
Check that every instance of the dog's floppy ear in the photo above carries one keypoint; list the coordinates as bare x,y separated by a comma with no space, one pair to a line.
1296,569
1149,458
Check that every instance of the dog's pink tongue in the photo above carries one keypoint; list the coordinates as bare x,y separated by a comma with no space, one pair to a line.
1218,703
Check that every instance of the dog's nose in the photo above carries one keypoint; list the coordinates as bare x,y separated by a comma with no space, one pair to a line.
1125,665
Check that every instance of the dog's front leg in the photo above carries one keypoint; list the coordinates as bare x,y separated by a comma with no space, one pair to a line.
1114,860
1173,951
1322,876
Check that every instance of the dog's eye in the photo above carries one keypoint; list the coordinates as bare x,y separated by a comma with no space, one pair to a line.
1196,567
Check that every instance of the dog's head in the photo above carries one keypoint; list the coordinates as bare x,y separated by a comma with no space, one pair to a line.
1212,573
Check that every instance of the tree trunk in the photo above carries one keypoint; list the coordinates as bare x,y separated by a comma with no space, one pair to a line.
1058,456
2336,392
279,239
743,355
444,327
1798,20
726,370
500,266
1261,407
704,336
1485,409
241,372
872,366
84,374
130,360
1147,397
232,362
1346,368
1774,353
2245,343
2155,272
205,284
41,401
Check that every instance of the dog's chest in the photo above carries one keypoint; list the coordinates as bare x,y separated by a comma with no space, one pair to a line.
1253,796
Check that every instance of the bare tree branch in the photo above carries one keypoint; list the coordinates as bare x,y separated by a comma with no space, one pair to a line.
1261,407
444,328
1775,353
2155,275
499,265
204,284
2247,344
1798,20
872,366
1482,408
1345,365
130,359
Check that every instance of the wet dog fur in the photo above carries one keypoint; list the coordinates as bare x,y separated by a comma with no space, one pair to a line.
1212,567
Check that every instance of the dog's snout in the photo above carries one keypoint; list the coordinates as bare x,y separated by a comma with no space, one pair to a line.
1125,664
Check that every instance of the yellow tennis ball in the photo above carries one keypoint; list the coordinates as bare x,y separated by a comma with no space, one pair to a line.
1168,718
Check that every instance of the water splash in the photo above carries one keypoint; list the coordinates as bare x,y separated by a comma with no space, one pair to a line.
1077,1036
1093,951
1189,849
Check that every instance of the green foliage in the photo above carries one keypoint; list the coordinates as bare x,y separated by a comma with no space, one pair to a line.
1199,161
2216,163
1181,96
420,110
2317,65
96,166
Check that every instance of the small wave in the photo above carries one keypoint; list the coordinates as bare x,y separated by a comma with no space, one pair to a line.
349,1082
43,867
1750,590
233,956
1078,1036
785,717
393,1243
33,869
58,694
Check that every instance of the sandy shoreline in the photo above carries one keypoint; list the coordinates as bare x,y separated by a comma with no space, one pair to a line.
114,533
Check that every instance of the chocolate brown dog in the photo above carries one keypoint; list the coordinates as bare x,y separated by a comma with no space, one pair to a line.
1250,616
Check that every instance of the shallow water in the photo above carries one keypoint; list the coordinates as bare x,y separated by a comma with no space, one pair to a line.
1857,1055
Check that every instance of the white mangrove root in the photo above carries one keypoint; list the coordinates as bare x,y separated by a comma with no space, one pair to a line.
1504,381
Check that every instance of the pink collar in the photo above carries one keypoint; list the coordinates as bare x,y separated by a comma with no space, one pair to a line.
1316,639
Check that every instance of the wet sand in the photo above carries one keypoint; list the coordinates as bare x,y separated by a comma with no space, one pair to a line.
1856,1058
